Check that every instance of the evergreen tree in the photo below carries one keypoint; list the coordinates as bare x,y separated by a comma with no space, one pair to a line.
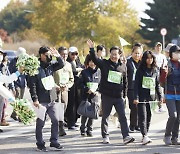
163,14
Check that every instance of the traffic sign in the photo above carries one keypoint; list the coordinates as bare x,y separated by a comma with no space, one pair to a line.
163,31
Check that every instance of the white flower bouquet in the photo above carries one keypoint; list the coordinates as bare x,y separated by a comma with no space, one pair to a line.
29,63
24,110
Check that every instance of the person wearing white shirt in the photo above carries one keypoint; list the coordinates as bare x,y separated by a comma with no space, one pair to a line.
161,61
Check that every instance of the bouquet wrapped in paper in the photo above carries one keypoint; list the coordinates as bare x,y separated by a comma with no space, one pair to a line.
24,110
29,63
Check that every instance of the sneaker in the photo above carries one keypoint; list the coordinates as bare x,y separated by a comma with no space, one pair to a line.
137,129
106,140
175,141
131,129
167,140
56,146
146,140
161,109
89,134
42,148
4,123
62,132
82,133
76,125
1,130
14,117
128,139
72,128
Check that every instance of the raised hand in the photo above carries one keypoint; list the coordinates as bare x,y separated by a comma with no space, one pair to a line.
54,52
90,43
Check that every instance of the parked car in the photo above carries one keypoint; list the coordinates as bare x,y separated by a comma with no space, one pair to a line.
11,54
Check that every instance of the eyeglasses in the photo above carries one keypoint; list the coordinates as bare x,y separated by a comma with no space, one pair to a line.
74,53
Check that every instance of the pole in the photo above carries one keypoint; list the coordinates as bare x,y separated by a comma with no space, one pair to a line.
163,41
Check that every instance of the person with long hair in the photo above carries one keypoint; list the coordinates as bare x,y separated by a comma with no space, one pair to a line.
147,85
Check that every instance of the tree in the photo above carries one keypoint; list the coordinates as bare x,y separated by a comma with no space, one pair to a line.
64,20
116,18
13,17
162,14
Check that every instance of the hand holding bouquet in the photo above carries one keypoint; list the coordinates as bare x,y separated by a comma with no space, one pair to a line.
30,64
24,110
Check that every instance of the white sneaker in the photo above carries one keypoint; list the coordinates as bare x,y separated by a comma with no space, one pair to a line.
161,110
106,140
128,139
146,140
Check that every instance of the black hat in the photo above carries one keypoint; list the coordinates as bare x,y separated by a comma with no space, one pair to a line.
43,49
174,48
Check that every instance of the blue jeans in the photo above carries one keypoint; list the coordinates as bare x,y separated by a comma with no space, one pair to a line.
107,104
172,126
52,112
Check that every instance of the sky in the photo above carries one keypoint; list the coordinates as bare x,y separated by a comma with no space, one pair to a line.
139,5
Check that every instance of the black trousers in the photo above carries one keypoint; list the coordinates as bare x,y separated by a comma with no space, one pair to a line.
73,102
133,109
144,114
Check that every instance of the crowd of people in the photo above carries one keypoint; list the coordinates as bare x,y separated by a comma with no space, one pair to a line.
63,82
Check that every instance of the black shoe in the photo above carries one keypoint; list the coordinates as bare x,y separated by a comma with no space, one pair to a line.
14,117
72,128
131,129
82,133
89,134
56,146
1,130
137,129
42,148
62,133
76,125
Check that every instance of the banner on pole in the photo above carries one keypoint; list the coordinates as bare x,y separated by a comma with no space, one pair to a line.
123,42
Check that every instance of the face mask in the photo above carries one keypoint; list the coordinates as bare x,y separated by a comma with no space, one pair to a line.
176,56
48,58
103,54
1,58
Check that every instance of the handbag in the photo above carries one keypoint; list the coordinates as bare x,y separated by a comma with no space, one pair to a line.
88,109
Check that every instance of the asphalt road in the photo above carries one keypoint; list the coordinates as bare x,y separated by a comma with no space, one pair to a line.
20,139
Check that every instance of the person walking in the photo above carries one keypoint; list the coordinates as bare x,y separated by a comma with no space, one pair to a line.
147,85
20,84
113,89
7,79
43,93
172,96
132,65
64,79
89,83
74,92
160,60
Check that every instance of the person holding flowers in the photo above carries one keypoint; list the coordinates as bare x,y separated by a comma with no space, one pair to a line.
43,93
7,79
